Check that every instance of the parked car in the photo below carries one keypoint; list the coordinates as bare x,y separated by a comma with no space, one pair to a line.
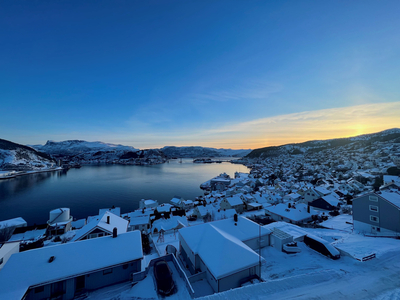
192,218
163,276
321,246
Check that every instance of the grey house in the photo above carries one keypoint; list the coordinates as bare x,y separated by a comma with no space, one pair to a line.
225,260
66,270
223,252
377,213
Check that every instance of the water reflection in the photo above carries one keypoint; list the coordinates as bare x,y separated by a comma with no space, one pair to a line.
87,189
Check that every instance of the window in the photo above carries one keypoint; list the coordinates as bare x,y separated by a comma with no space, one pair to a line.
39,289
373,198
378,229
125,266
108,271
373,208
374,219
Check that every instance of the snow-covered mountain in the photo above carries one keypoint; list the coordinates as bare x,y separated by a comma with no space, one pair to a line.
75,147
320,145
18,157
98,152
196,151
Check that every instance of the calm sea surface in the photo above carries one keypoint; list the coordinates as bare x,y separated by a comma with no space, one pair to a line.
87,189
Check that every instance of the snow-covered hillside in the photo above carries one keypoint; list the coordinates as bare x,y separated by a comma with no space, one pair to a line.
197,151
320,145
22,158
74,147
98,152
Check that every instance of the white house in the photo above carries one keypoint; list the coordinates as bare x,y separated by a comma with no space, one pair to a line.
66,270
141,223
297,213
234,202
101,226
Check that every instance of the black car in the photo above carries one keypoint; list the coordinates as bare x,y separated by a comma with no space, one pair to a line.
163,276
321,246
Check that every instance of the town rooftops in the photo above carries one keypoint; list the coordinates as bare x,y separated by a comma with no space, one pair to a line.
32,268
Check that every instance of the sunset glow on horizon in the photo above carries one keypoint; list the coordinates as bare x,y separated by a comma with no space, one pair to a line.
222,74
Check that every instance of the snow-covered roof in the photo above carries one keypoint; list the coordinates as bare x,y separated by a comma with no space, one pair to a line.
165,207
115,210
297,214
141,212
28,235
244,229
391,178
30,268
150,202
392,197
322,190
222,253
235,200
171,223
331,248
16,222
203,210
101,222
292,196
291,229
331,200
176,201
140,220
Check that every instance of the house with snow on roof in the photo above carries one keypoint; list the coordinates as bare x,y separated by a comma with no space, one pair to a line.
101,226
294,197
235,202
328,203
296,213
377,213
68,270
218,252
141,223
314,193
201,211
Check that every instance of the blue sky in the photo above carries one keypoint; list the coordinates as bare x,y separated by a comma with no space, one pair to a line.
156,73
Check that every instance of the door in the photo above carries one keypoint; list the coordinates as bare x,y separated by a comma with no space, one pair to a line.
80,283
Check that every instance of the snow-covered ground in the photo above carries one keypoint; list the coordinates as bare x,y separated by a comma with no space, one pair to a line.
306,275
145,289
340,222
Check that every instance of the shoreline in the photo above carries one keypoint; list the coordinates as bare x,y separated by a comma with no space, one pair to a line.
22,173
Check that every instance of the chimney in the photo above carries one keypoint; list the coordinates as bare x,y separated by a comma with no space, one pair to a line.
108,219
115,233
308,208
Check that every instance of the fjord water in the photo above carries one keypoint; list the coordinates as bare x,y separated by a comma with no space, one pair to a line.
87,189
